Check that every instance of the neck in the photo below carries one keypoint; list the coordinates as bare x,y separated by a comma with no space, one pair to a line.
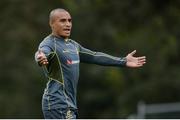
64,38
56,35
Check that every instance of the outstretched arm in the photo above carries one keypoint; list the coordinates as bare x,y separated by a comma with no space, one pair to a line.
88,56
135,62
100,58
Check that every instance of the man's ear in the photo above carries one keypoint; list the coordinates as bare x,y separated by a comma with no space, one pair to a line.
50,24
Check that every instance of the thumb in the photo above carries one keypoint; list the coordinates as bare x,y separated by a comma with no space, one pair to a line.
39,51
133,52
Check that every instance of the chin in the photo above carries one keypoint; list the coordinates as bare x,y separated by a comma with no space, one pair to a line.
65,36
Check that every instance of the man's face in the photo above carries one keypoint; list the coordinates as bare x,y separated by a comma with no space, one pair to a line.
61,24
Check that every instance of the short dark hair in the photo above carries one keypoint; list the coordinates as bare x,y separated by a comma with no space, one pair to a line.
51,15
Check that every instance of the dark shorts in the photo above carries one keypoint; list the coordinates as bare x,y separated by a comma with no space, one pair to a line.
60,114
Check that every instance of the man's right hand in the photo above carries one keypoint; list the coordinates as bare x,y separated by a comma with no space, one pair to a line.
41,58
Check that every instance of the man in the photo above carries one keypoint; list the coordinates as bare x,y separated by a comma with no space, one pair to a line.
59,57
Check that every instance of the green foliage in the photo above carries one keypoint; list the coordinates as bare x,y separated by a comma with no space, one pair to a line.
113,26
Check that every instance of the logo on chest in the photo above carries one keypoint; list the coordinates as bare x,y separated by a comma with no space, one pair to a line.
70,62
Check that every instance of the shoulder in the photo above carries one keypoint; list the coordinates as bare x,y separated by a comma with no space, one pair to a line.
74,42
47,41
77,45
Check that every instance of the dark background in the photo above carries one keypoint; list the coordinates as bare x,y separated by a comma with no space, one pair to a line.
116,27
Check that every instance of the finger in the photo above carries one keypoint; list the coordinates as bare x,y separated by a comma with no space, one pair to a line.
133,52
141,60
43,62
143,57
142,63
138,65
40,58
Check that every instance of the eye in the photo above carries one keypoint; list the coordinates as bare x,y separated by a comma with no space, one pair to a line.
70,20
62,20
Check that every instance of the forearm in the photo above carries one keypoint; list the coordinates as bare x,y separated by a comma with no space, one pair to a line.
102,59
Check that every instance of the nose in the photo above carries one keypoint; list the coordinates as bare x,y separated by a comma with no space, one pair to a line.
68,23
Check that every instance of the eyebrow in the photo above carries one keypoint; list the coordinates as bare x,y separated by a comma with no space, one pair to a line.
69,19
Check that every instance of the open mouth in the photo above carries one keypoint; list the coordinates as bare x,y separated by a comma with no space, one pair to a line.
67,30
